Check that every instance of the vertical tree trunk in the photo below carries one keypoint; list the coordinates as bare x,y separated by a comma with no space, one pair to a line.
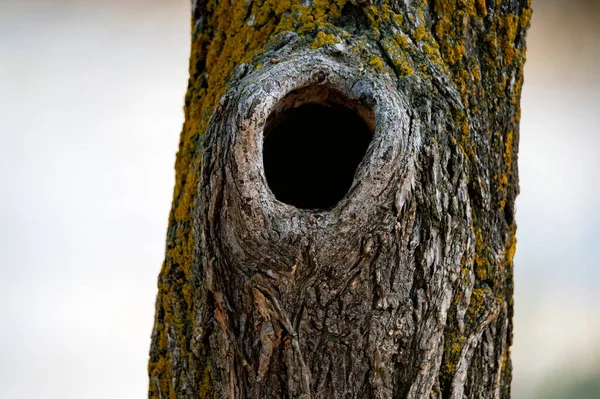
404,287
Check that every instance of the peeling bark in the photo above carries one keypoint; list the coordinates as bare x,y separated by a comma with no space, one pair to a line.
404,287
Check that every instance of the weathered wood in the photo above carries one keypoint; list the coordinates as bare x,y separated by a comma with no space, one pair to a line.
404,288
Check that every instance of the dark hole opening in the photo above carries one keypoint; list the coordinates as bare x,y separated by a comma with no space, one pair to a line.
311,153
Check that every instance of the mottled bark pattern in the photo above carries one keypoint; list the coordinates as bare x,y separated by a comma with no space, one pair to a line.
404,288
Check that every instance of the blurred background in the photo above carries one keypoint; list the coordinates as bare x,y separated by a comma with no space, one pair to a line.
91,97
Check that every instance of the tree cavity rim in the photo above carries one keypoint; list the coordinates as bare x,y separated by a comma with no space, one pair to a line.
244,112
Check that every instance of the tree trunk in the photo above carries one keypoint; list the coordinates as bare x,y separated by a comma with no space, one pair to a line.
402,285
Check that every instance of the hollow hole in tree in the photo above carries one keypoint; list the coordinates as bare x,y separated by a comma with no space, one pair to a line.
314,140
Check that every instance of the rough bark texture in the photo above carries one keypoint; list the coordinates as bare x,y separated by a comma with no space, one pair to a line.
405,287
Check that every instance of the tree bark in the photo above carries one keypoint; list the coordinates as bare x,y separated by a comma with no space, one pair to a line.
405,287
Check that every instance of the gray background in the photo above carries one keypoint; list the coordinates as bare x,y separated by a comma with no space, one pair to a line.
91,96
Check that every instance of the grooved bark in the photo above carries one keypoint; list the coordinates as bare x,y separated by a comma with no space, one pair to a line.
404,287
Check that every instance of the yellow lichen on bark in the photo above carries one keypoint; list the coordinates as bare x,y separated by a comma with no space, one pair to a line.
238,31
232,32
